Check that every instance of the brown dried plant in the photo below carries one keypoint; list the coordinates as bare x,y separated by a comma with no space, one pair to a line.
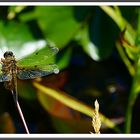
96,121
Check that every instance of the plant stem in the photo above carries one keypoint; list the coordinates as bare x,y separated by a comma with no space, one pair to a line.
125,59
20,113
132,98
22,117
129,112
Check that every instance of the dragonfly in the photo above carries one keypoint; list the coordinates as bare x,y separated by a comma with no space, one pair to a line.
12,69
27,68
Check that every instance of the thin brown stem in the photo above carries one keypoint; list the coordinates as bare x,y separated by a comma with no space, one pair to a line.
20,113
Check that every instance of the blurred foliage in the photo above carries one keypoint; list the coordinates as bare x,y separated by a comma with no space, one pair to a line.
98,58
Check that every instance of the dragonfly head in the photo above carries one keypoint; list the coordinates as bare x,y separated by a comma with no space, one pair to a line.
8,54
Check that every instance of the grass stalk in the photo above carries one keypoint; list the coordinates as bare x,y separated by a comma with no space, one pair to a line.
131,100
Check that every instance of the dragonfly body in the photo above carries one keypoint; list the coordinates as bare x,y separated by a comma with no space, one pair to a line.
9,70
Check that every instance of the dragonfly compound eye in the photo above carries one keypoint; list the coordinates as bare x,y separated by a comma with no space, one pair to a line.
7,54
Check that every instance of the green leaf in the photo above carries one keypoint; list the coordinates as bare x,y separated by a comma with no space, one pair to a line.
13,36
88,46
61,24
98,37
72,103
57,23
63,118
121,22
138,29
13,10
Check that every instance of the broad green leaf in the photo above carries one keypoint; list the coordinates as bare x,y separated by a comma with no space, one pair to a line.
88,46
61,25
13,10
14,36
57,23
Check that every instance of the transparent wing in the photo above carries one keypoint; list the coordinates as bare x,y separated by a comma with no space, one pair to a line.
38,57
37,72
4,77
